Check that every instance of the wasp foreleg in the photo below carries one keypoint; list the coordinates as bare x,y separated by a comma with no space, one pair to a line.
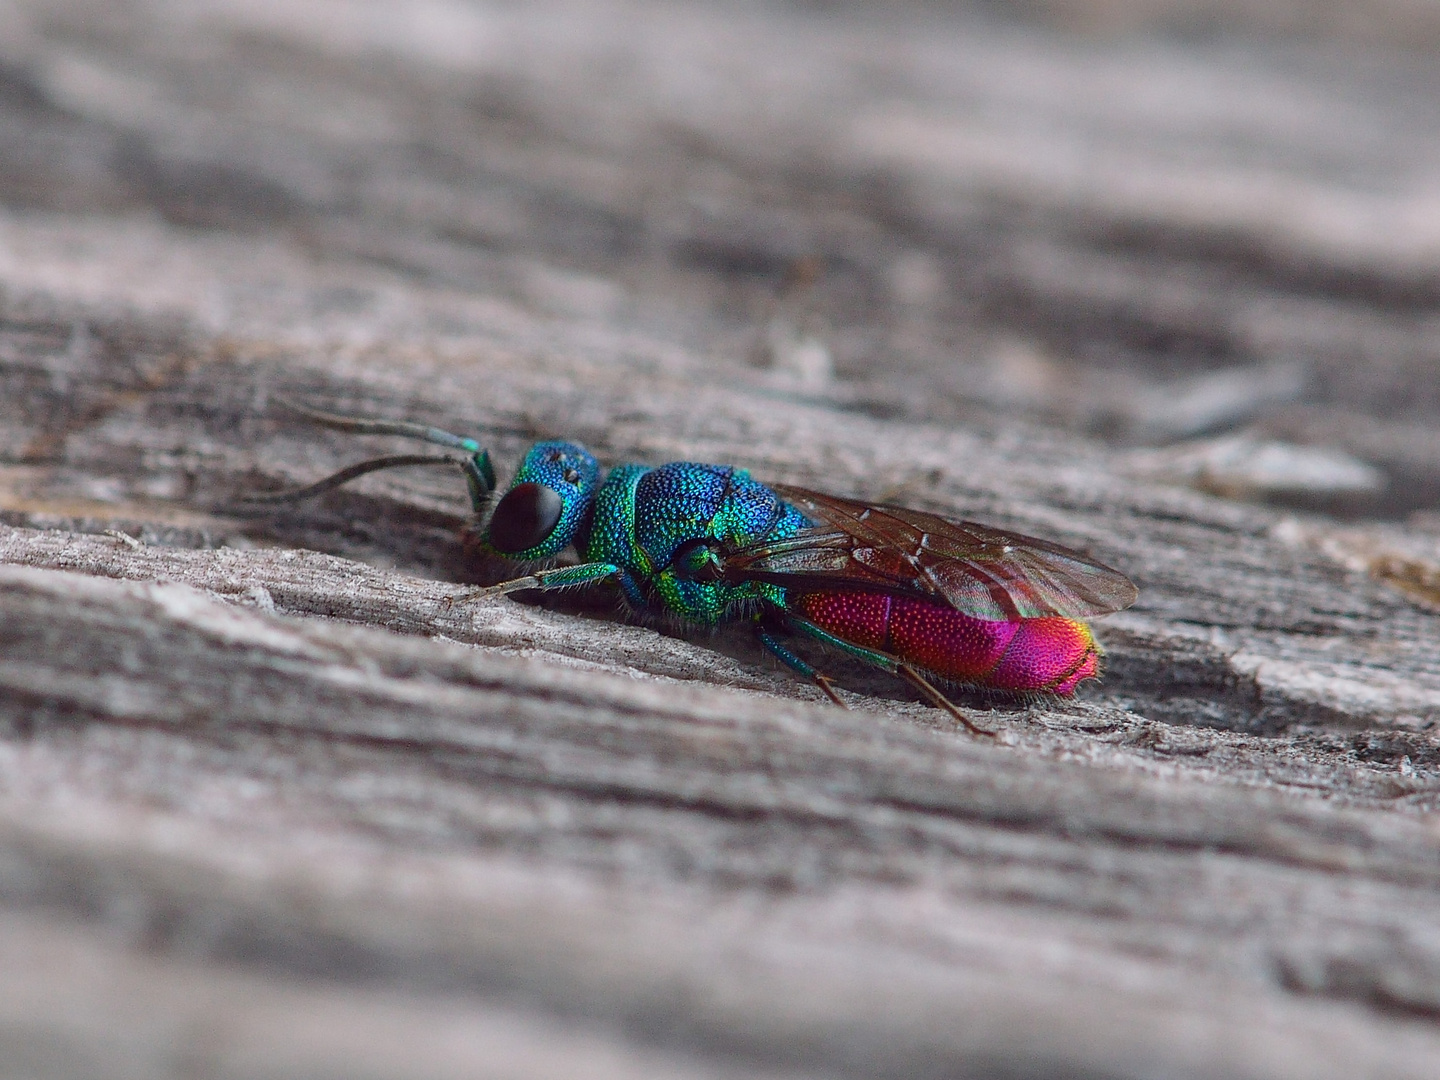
562,577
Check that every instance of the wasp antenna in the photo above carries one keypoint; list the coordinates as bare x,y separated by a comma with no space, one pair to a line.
360,425
344,476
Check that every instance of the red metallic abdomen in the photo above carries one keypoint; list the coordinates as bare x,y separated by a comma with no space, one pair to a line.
1052,654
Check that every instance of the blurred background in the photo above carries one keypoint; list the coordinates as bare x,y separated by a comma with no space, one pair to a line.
1207,234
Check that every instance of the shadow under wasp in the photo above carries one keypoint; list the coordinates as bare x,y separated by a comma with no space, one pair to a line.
907,592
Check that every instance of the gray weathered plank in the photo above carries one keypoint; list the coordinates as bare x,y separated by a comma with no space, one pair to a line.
278,798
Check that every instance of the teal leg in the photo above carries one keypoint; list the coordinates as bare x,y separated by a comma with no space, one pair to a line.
859,652
895,667
796,664
562,577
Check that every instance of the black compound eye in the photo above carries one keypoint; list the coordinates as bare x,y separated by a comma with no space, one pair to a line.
525,517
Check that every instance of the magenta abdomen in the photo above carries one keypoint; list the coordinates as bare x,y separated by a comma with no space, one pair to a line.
1051,654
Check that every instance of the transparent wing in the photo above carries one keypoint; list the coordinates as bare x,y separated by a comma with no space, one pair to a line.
984,572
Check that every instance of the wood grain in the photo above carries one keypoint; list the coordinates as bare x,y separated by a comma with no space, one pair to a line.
279,797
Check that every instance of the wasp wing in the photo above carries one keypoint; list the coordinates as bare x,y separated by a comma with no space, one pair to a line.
980,571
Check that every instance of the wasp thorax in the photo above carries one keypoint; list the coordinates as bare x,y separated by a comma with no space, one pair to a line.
698,560
524,518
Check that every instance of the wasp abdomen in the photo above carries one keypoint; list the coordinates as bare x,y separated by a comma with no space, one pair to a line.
1053,654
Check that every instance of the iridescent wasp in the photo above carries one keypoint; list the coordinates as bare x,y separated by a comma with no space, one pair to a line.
908,592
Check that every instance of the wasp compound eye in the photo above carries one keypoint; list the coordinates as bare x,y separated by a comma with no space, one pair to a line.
524,518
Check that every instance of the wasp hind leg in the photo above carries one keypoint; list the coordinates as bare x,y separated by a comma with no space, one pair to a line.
895,667
939,700
777,649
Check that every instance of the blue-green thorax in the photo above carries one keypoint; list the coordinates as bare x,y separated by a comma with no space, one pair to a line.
661,533
667,528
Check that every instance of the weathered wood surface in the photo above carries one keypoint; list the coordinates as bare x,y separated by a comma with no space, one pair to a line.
275,800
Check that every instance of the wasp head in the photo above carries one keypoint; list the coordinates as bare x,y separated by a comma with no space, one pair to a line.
549,501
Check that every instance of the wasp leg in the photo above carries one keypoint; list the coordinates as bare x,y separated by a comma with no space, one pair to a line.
895,667
827,687
563,577
939,700
794,663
